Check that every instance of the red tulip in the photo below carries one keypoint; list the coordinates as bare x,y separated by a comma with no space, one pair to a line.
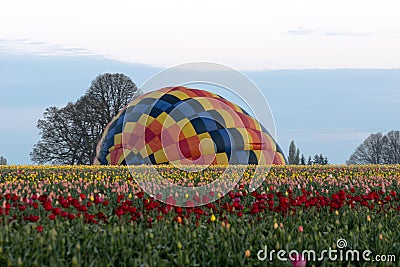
21,207
56,211
140,194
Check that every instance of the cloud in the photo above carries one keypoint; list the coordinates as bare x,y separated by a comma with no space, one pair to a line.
301,31
22,46
305,31
345,34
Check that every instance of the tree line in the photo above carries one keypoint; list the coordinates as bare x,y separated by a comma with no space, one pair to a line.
294,157
69,135
378,148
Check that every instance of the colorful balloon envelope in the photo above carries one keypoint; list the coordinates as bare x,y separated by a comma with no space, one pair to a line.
179,125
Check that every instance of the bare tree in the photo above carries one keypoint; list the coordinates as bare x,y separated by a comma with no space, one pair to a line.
109,93
371,151
392,147
60,137
69,135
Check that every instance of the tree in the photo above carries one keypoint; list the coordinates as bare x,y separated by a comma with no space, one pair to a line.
371,151
316,159
321,159
109,93
297,157
302,160
89,127
294,154
3,160
61,138
378,149
69,135
391,148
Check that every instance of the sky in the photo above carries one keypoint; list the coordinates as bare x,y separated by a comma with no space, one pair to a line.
330,70
250,35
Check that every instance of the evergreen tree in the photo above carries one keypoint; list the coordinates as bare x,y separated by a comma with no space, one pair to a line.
309,162
316,159
292,153
302,160
297,157
321,159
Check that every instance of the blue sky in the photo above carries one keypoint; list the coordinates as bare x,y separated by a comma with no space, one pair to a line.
324,111
329,69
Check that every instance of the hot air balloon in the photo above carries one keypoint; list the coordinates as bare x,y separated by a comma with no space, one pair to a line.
180,125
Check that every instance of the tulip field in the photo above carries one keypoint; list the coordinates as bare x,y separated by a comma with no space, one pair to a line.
99,216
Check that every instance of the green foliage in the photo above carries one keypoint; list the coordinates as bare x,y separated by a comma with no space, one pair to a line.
68,244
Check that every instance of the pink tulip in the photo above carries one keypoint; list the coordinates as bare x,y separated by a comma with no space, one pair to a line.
298,261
